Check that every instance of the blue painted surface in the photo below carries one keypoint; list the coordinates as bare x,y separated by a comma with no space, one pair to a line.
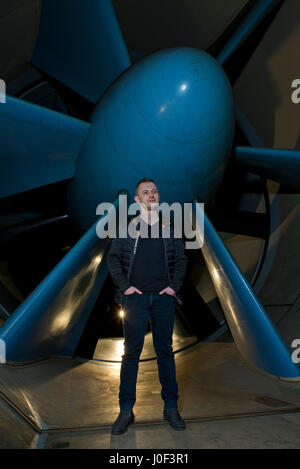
254,334
52,318
81,45
280,165
170,117
38,146
259,11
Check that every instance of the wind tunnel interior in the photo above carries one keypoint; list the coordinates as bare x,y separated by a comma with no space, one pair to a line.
59,383
35,238
37,232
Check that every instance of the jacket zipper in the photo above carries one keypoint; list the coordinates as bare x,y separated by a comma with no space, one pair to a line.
134,251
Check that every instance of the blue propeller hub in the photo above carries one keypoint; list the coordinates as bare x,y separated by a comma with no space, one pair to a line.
169,117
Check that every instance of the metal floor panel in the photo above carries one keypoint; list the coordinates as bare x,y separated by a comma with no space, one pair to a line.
58,394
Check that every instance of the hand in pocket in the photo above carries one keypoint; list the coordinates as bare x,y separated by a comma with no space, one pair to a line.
132,290
168,291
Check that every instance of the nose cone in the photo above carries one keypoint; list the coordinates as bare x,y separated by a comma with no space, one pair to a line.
183,94
170,117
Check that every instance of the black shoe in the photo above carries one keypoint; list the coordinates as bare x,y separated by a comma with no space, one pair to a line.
176,422
122,422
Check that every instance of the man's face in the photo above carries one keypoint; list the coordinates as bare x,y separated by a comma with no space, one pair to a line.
147,195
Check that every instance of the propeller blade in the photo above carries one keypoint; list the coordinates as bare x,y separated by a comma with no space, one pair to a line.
249,24
276,164
52,318
38,146
80,44
254,334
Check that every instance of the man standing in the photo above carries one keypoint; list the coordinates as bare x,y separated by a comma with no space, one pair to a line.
148,271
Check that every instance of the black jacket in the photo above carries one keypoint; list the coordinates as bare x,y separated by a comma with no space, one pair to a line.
121,257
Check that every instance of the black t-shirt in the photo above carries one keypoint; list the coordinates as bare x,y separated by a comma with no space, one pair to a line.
149,271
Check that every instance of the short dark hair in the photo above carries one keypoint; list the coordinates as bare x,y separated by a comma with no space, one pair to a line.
141,181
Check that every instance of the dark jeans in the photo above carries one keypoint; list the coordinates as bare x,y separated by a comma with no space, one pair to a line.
137,310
